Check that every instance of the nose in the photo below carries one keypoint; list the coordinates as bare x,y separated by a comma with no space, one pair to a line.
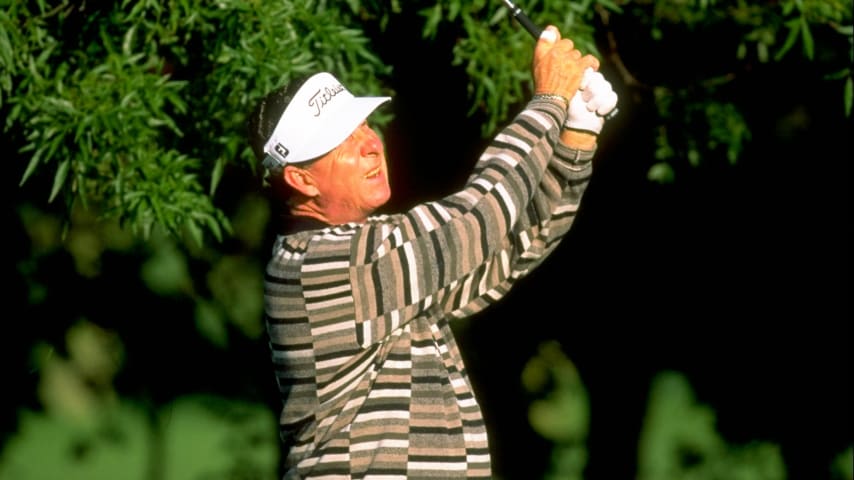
369,143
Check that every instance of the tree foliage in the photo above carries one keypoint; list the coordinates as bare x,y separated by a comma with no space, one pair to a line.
136,107
698,121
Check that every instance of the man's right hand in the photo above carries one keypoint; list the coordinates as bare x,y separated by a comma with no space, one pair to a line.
558,67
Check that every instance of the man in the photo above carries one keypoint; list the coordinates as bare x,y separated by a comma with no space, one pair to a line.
357,304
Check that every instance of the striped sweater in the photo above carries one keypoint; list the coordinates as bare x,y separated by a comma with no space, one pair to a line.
371,378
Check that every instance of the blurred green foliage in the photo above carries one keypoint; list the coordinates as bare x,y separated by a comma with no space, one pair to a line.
89,435
559,411
680,440
199,437
843,466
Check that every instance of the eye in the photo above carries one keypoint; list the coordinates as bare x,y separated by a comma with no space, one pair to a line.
362,126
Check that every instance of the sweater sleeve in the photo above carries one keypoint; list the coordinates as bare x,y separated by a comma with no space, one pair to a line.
464,251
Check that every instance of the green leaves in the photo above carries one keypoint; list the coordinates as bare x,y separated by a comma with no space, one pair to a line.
560,412
102,120
843,465
162,189
848,95
196,436
136,109
92,91
679,440
798,29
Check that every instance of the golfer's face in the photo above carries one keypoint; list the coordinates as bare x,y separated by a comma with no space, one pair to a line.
353,178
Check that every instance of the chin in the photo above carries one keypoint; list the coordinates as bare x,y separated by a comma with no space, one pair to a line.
381,198
380,202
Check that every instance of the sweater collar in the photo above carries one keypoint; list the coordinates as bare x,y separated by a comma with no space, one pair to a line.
296,224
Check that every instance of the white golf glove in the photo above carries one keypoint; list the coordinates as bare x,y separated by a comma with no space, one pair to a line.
592,103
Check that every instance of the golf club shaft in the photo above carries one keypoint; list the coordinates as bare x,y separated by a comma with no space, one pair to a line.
523,19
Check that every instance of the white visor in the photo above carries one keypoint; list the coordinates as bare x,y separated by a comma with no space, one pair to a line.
322,114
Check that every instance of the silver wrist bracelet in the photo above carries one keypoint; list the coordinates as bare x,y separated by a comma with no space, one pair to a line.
551,96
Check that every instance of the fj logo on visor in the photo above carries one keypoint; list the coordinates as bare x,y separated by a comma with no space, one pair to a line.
281,150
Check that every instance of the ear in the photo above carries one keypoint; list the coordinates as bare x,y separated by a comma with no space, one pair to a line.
300,180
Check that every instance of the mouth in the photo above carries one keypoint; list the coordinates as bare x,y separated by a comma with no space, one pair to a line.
373,173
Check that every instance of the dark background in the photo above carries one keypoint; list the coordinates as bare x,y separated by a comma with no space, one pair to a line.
735,275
